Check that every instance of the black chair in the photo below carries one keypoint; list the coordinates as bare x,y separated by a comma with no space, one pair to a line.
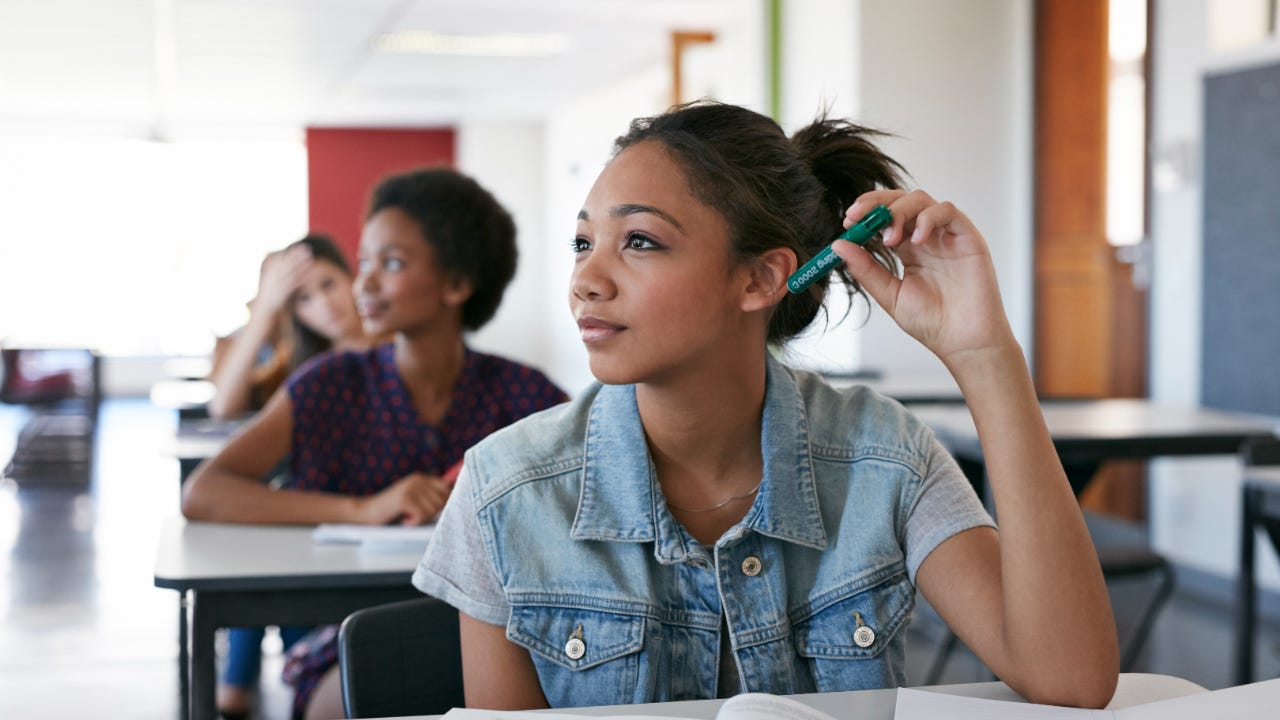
1261,510
1121,560
1117,563
402,658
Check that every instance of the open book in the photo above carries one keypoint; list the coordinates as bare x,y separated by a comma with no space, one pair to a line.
747,706
1245,702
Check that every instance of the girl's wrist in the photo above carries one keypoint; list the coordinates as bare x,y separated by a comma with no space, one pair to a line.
994,364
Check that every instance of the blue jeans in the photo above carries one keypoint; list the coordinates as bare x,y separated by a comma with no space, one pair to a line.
244,653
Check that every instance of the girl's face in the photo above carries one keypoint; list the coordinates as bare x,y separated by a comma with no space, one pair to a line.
323,302
653,289
401,288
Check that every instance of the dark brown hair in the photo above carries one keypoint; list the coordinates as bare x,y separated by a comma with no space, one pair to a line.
472,233
775,191
305,343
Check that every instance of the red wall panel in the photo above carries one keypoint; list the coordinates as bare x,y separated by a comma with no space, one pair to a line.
344,164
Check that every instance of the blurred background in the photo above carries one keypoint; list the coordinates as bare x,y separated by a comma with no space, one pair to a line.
152,151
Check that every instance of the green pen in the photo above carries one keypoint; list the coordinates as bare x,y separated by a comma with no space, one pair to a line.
865,229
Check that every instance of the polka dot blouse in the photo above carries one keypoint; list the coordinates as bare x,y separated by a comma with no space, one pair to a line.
355,429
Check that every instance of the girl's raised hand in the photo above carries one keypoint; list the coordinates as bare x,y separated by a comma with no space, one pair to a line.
281,273
947,297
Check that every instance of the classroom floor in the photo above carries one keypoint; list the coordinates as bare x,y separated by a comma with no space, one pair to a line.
83,632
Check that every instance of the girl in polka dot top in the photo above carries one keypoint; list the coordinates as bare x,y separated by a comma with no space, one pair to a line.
376,436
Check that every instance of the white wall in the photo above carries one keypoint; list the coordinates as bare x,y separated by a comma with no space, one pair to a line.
821,62
507,158
1195,505
953,82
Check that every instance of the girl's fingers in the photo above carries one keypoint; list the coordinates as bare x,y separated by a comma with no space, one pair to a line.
867,201
876,279
904,206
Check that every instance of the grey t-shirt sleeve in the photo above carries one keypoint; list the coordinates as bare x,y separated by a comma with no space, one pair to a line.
456,568
944,506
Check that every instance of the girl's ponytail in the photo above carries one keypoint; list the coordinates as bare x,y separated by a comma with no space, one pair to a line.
846,161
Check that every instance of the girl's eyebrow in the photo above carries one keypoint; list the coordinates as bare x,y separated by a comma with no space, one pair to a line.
634,209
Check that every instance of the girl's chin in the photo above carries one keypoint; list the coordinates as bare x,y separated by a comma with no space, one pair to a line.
611,372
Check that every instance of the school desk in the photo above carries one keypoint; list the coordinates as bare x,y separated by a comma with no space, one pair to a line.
908,388
255,575
197,439
1261,510
1132,689
1087,433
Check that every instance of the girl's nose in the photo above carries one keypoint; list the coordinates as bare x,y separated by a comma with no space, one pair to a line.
592,279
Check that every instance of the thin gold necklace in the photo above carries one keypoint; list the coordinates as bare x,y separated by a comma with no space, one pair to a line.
746,494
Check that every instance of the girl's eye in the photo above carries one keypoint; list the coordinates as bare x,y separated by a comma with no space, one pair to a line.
392,264
579,244
364,265
640,241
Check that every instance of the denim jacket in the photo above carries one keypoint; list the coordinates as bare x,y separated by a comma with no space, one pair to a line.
617,603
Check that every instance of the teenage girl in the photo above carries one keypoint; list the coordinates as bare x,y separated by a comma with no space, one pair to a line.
708,521
304,306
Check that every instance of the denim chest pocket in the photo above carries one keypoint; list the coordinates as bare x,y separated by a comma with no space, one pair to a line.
854,643
583,657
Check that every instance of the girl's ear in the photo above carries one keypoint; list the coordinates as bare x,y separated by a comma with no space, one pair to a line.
457,291
768,280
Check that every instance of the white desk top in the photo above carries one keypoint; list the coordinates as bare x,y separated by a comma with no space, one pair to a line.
200,439
1133,689
175,394
225,556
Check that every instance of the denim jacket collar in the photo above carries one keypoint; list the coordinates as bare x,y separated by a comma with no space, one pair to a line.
621,500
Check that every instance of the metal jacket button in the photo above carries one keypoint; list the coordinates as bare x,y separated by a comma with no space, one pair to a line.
575,648
751,566
863,636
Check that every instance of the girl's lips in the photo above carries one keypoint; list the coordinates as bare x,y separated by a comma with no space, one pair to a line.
596,330
369,308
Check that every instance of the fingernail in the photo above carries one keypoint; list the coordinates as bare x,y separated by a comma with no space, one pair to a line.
887,236
915,236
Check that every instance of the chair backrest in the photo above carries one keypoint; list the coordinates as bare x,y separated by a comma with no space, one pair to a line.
1261,451
402,658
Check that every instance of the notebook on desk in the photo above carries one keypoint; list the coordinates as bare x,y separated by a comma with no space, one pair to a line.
375,537
1245,702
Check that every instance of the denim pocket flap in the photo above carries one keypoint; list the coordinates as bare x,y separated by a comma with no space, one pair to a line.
860,625
575,638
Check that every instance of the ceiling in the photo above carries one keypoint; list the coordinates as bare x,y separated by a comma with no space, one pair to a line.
172,68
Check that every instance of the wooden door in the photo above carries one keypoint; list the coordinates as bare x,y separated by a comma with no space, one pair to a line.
1090,319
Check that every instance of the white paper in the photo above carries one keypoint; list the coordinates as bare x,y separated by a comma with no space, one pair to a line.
374,536
1246,702
924,705
763,706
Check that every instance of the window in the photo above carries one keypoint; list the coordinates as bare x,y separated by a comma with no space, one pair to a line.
140,248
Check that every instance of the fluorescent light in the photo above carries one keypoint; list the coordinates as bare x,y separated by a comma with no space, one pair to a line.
421,42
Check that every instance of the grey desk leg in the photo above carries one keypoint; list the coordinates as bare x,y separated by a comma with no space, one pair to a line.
184,660
1246,589
203,671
